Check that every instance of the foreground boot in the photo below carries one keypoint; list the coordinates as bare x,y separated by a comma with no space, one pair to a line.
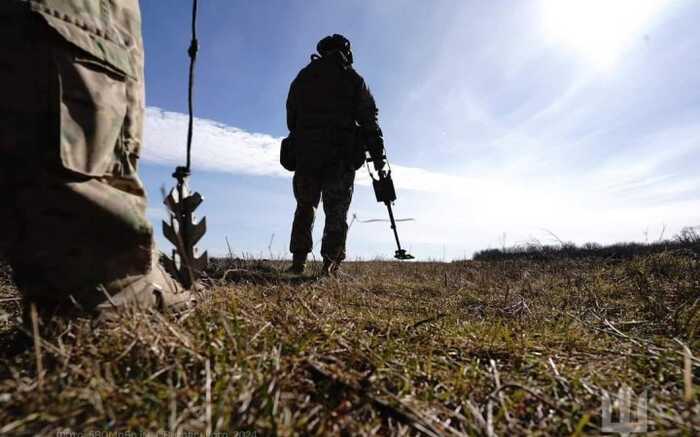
298,264
154,290
329,268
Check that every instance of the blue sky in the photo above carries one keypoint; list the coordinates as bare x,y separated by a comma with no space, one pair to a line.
504,121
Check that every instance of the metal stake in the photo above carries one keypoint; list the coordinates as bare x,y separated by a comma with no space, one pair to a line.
183,232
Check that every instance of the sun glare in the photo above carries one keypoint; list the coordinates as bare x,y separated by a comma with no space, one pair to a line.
598,29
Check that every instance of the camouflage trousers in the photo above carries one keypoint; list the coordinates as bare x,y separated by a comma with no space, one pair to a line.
335,185
72,208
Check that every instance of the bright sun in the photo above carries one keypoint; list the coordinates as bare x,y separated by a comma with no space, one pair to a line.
598,29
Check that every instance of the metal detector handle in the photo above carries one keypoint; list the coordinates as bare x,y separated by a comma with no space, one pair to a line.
382,158
370,159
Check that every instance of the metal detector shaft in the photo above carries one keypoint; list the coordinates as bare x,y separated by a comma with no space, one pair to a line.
393,224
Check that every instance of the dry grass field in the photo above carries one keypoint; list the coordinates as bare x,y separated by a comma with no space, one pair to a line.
476,348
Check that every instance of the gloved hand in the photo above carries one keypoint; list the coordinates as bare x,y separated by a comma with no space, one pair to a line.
379,164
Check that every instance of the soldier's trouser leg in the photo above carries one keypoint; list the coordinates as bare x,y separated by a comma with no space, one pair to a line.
76,225
17,129
337,194
76,237
307,192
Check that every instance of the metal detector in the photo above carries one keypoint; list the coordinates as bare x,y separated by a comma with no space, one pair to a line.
385,193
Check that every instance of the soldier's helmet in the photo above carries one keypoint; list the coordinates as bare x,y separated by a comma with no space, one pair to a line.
335,44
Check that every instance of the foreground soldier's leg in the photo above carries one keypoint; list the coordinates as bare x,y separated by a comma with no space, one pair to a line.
73,124
337,195
20,117
307,192
9,221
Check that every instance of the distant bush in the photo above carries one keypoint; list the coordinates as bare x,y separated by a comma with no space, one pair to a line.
688,239
688,235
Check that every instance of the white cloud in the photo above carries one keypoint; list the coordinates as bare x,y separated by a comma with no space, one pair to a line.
215,146
610,203
222,148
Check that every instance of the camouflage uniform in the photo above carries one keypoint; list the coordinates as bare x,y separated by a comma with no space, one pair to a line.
332,117
71,121
335,185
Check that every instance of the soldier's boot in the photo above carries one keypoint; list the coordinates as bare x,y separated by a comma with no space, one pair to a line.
154,290
330,268
298,264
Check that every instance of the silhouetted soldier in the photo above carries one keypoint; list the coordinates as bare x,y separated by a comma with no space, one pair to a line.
72,216
332,119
